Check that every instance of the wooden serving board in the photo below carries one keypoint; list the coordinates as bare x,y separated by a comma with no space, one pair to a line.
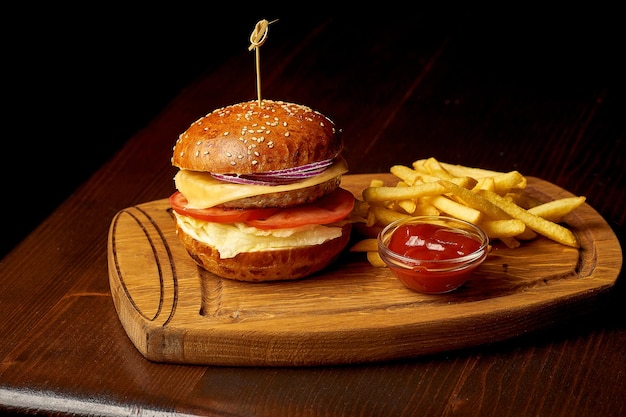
352,312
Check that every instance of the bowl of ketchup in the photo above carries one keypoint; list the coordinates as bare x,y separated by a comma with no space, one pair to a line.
433,254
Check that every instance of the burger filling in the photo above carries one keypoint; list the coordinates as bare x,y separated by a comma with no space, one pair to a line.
235,230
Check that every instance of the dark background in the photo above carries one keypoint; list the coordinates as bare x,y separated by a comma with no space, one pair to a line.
79,82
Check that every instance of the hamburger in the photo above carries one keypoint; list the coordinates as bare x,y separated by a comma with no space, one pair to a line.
258,194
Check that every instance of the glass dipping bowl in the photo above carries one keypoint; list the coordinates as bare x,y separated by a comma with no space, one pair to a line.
426,269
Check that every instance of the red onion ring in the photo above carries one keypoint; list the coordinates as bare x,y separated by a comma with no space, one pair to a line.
277,177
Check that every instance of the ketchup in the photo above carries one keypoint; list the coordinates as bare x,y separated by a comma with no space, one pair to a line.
431,242
428,245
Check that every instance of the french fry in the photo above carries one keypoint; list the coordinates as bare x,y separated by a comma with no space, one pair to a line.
365,245
384,216
407,174
522,199
454,209
380,194
435,168
508,181
527,234
555,210
375,260
498,229
389,193
375,182
476,201
370,218
408,206
538,224
485,183
424,208
459,170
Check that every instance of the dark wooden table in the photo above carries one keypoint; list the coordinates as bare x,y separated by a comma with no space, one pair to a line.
542,95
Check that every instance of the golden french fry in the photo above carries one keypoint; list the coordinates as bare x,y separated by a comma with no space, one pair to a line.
375,182
380,194
476,201
555,210
375,260
384,216
419,166
407,174
508,181
540,225
435,168
485,183
365,245
389,193
454,209
498,229
370,218
465,182
459,170
408,206
424,208
522,199
527,234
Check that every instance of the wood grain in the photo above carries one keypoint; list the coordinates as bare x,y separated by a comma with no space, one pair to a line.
175,312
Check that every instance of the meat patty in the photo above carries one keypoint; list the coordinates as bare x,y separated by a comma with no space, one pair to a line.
286,198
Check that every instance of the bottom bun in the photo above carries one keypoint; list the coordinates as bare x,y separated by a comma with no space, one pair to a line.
271,265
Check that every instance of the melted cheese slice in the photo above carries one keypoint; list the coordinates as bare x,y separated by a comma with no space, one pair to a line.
203,191
231,239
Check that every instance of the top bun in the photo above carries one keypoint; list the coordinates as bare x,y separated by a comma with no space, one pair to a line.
246,138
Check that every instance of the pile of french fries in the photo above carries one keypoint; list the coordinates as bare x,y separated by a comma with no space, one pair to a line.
493,200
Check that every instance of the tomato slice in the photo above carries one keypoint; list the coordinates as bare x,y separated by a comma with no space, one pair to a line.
178,202
328,209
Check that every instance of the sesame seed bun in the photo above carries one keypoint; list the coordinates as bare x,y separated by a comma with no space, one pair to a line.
246,138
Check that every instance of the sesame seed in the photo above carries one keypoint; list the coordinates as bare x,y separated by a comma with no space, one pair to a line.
228,154
254,162
233,163
226,133
286,134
